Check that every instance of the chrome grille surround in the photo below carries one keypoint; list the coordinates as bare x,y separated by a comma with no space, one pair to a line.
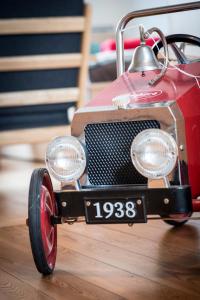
167,114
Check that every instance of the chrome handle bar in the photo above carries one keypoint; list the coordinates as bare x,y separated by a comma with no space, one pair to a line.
144,13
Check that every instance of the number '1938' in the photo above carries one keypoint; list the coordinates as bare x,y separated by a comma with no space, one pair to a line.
117,209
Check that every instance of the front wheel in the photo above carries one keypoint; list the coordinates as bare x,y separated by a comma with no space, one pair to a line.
43,234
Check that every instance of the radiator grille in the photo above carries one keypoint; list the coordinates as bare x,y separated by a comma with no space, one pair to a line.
108,148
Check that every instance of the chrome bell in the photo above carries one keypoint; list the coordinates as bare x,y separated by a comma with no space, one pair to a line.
144,58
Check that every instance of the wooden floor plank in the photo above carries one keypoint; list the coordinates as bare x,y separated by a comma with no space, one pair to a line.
172,275
102,266
188,237
162,233
148,261
59,285
13,288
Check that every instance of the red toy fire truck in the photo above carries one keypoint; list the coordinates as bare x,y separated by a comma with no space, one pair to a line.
133,154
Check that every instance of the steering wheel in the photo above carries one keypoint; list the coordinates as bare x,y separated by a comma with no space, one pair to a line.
179,51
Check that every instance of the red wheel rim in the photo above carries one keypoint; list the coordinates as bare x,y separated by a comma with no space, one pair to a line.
48,231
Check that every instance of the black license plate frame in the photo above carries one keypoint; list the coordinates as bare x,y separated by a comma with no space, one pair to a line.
91,211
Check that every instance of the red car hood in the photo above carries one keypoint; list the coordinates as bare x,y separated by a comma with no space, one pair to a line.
171,87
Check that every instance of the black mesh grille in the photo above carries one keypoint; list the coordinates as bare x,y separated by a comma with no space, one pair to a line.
108,147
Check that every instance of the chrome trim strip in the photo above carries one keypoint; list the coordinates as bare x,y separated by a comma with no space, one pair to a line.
181,142
108,114
166,113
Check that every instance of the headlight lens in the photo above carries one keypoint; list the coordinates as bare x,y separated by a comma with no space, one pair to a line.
154,153
65,158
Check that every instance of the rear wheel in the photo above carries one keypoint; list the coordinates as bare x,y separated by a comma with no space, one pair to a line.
177,220
41,209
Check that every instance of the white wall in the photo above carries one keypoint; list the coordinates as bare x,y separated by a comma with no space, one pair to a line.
108,12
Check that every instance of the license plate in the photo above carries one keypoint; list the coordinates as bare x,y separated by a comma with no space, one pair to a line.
103,211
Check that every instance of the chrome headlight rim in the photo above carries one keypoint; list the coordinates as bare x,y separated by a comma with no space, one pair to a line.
169,142
77,145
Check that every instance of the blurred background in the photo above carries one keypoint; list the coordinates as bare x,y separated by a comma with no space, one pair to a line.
46,73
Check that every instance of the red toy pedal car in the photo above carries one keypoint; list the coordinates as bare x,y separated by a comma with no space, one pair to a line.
133,154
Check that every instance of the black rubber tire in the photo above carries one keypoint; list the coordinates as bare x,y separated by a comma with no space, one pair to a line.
175,223
34,221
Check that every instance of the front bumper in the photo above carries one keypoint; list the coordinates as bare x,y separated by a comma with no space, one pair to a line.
156,201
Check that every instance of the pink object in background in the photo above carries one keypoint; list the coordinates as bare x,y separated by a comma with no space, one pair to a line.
110,44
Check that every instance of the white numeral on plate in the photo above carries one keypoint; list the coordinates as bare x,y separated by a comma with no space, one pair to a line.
109,209
119,209
130,209
98,210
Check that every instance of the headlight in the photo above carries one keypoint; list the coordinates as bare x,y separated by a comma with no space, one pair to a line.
154,153
65,158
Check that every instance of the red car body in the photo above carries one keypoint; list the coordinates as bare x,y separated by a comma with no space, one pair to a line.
173,86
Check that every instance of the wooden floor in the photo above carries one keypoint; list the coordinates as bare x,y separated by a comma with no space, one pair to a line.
94,262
